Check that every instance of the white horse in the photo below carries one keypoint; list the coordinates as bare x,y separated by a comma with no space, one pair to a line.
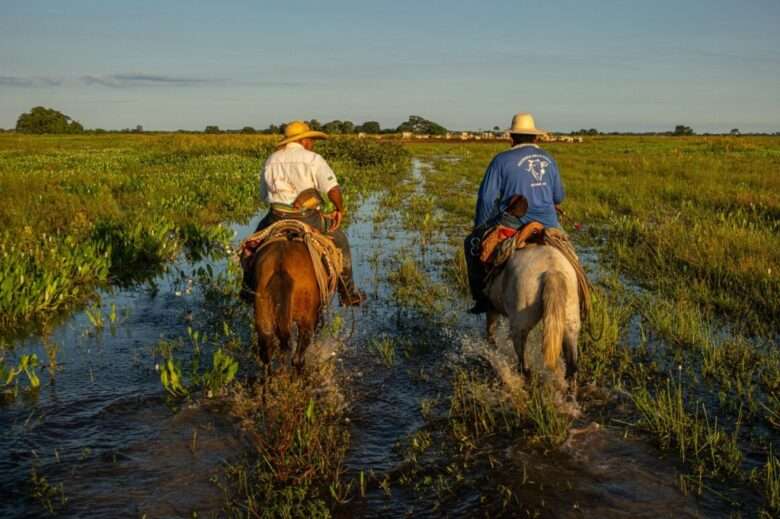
538,283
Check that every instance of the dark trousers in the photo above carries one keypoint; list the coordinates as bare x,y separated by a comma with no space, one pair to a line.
476,269
315,220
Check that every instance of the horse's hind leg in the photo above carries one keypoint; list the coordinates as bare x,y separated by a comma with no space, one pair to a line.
519,338
265,347
570,353
304,339
491,323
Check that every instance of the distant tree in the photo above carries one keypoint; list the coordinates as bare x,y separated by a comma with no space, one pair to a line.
734,131
47,120
369,127
138,129
681,129
496,129
247,129
212,129
417,124
315,125
332,127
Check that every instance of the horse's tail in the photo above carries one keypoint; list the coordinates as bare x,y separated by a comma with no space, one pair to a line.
281,286
554,300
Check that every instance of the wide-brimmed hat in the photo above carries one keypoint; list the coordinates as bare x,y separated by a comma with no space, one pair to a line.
299,130
523,122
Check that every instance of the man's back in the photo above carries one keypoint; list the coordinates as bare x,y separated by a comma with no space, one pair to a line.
523,170
293,169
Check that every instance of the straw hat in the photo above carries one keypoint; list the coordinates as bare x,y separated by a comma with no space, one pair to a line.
299,130
523,122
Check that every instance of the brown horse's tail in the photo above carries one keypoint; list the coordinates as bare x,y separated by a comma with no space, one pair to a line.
273,309
554,300
281,284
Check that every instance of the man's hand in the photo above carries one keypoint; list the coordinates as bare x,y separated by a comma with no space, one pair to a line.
335,220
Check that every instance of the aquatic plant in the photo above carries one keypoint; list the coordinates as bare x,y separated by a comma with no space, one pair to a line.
384,347
696,436
296,469
9,377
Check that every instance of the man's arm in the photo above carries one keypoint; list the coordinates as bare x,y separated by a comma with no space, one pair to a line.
489,196
558,193
325,181
338,201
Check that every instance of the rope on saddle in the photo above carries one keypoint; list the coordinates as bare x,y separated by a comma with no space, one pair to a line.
326,258
560,240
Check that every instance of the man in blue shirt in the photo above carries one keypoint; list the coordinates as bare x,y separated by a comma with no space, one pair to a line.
527,170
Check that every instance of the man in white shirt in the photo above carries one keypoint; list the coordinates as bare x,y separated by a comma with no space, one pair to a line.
294,169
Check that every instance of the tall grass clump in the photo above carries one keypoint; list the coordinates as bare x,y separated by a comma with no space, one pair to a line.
551,426
696,436
478,408
299,446
413,288
768,479
481,407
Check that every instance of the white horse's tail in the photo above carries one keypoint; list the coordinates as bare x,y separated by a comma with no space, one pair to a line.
554,299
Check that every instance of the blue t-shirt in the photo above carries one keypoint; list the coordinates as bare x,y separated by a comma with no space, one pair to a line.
524,170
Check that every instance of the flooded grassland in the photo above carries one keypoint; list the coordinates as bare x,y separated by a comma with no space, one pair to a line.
144,397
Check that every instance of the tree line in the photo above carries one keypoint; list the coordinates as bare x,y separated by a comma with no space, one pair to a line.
414,124
48,120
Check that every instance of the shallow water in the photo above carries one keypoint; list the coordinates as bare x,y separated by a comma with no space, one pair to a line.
103,430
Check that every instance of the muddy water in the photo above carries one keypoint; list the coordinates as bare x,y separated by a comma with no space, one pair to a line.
104,432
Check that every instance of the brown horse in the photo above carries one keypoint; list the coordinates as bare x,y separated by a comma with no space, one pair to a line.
287,298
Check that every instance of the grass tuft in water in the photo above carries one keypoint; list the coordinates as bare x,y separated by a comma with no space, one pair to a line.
697,438
300,448
550,424
768,478
384,348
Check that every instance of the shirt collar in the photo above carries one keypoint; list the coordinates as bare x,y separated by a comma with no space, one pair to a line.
523,145
293,145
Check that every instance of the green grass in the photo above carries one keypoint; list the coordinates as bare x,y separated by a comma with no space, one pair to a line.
699,214
697,436
78,213
297,468
686,232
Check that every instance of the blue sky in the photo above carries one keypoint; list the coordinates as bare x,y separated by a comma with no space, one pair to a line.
612,65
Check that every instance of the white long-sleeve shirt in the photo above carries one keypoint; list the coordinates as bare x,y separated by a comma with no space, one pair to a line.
292,169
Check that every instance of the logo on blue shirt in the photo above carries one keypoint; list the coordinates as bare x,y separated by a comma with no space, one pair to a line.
536,165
